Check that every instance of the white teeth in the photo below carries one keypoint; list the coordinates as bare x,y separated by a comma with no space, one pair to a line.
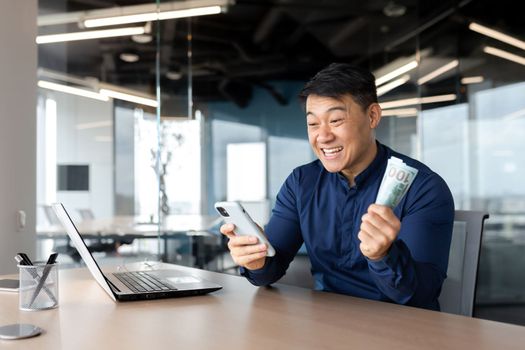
332,150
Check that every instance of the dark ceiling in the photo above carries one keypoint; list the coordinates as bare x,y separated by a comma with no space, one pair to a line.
257,42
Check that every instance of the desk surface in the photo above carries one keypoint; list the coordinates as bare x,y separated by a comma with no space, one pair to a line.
241,316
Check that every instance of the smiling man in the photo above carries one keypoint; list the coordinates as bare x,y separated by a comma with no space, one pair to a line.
355,247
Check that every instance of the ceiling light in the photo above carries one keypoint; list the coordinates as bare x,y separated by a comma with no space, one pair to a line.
172,75
504,54
399,112
392,85
497,35
152,16
129,97
142,38
93,34
394,10
396,72
129,57
443,69
71,90
472,80
132,10
417,100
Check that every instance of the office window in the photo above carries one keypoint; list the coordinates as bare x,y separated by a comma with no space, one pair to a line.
246,171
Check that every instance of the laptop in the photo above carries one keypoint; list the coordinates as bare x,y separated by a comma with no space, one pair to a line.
135,285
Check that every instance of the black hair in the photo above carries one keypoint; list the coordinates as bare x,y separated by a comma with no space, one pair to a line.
339,79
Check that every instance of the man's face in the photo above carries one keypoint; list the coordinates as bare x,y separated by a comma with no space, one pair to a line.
341,133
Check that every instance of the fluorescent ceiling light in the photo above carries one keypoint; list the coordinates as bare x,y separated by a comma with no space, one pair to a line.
93,34
142,38
71,90
105,91
129,57
152,16
400,112
443,69
396,72
504,54
497,35
417,100
392,85
130,10
472,80
129,97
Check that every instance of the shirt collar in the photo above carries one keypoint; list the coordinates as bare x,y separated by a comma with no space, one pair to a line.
372,171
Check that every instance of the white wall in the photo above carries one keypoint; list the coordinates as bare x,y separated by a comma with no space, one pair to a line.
18,64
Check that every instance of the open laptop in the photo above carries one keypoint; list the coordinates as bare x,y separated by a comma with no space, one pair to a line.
135,285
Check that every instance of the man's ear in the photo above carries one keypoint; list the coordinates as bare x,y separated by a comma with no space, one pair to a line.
374,114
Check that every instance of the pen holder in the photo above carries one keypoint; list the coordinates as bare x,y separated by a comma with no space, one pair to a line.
38,286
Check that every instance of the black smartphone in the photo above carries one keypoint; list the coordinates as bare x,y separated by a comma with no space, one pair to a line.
9,285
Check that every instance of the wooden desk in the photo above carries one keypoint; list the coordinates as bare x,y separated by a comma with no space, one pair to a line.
241,316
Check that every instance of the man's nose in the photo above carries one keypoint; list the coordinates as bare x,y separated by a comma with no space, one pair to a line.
325,133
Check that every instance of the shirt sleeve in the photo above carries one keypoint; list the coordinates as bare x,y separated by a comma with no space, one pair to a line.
284,234
415,267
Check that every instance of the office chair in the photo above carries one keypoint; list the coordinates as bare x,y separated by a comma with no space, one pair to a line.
105,245
86,213
67,248
51,217
299,272
459,289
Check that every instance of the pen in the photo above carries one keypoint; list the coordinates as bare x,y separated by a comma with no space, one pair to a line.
23,259
50,261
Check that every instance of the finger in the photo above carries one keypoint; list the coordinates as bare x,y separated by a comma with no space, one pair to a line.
239,241
364,236
369,244
227,230
247,259
248,249
385,214
376,224
374,233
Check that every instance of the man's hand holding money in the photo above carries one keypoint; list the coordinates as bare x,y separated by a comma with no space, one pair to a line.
380,226
379,229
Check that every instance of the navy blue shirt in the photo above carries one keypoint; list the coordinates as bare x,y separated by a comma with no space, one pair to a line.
320,209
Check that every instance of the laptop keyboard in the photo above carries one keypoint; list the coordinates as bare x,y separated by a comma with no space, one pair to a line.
139,281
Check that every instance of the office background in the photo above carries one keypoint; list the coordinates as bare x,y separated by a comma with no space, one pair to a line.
218,104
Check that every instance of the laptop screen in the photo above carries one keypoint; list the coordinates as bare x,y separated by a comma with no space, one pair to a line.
82,248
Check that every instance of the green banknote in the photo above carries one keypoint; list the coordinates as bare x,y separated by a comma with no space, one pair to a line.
397,179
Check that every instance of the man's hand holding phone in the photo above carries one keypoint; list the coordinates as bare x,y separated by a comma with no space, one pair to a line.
248,244
246,251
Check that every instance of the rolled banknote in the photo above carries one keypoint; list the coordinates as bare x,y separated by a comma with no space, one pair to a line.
396,181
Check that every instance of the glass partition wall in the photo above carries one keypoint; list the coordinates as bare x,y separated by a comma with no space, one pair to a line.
220,118
98,132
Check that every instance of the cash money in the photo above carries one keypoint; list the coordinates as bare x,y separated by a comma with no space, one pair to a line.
397,179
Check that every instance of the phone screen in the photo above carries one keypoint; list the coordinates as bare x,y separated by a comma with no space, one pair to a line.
9,285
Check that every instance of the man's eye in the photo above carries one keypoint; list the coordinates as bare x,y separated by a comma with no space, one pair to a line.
335,121
312,124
